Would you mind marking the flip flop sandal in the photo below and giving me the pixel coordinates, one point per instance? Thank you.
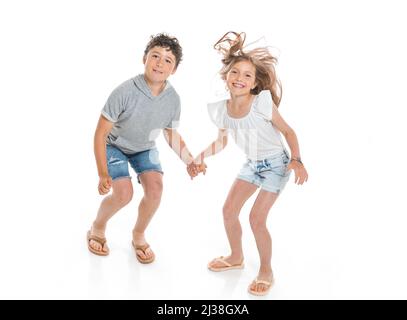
(143, 248)
(99, 240)
(226, 265)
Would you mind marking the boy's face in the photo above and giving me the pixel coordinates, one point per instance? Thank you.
(159, 64)
(241, 78)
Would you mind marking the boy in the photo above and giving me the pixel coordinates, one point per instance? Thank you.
(131, 120)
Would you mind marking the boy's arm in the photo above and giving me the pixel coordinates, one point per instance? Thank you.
(177, 144)
(103, 128)
(215, 147)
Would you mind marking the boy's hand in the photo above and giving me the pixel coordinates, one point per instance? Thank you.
(105, 183)
(194, 169)
(301, 174)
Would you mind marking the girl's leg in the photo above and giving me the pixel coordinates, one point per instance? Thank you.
(152, 183)
(121, 196)
(239, 193)
(258, 219)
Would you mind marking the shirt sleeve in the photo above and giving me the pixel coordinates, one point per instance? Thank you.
(174, 123)
(264, 105)
(217, 113)
(115, 105)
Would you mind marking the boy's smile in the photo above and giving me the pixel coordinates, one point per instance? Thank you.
(159, 64)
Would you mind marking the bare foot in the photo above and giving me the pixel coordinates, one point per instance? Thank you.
(97, 246)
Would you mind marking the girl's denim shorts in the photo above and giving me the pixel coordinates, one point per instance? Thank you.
(269, 174)
(144, 161)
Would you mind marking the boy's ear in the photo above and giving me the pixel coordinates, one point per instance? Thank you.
(144, 59)
(173, 71)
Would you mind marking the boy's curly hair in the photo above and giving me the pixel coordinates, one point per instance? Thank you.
(231, 47)
(165, 41)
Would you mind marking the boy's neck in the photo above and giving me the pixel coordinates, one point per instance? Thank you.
(155, 87)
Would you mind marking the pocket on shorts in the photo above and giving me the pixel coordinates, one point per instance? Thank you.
(278, 165)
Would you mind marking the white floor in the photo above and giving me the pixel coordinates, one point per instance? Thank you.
(341, 236)
(322, 248)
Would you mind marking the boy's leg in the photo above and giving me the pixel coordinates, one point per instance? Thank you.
(258, 219)
(121, 196)
(239, 193)
(153, 186)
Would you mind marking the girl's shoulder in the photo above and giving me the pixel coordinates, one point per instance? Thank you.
(217, 111)
(217, 105)
(264, 104)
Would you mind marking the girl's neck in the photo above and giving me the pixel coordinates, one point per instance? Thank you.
(241, 101)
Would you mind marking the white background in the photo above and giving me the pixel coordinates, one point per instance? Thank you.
(341, 236)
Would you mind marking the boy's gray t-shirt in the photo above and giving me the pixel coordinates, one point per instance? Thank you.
(138, 116)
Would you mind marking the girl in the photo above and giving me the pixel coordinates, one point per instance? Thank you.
(252, 118)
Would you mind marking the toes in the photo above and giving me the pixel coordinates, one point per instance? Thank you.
(141, 254)
(95, 245)
(105, 248)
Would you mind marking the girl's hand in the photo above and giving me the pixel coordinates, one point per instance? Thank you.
(200, 164)
(105, 183)
(194, 169)
(301, 174)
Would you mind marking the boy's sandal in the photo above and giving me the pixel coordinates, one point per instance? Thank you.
(226, 265)
(268, 285)
(99, 240)
(143, 248)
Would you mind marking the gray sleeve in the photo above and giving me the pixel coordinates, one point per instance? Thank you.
(115, 105)
(174, 123)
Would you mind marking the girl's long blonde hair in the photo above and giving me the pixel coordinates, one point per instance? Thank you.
(231, 47)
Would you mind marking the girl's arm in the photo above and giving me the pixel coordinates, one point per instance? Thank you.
(301, 174)
(103, 128)
(215, 147)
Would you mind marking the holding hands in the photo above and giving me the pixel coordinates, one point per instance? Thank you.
(196, 167)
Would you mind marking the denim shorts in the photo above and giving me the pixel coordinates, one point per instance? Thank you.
(144, 161)
(269, 174)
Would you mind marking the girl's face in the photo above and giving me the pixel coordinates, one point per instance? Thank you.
(241, 78)
(159, 64)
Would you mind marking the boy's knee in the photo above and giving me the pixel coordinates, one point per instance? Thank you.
(123, 196)
(154, 190)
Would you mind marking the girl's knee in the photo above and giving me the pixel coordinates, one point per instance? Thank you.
(257, 222)
(229, 212)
